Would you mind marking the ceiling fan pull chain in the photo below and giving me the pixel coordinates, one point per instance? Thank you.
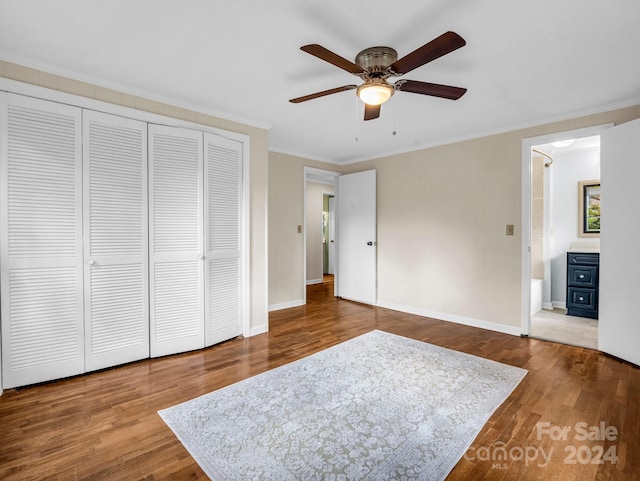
(395, 107)
(356, 119)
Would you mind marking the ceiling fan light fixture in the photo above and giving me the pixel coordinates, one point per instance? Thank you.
(375, 92)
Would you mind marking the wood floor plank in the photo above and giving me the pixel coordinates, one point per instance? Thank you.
(105, 426)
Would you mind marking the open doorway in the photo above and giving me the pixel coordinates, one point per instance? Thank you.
(319, 250)
(556, 167)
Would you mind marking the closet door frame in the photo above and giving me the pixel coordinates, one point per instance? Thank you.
(37, 92)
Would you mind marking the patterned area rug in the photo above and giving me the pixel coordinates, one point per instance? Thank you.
(377, 407)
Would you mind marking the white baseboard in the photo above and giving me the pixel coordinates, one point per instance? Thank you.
(254, 331)
(443, 316)
(286, 305)
(314, 281)
(558, 305)
(547, 305)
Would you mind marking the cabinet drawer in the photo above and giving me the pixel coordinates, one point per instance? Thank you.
(592, 259)
(583, 276)
(581, 298)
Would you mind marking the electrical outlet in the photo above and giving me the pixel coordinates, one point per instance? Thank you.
(299, 229)
(509, 229)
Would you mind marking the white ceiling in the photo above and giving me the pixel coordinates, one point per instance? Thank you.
(525, 62)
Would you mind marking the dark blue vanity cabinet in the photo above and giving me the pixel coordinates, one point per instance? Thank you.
(582, 284)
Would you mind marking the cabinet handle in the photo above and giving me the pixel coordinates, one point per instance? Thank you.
(91, 262)
(581, 298)
(581, 276)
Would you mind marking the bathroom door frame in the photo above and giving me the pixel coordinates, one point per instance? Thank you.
(527, 169)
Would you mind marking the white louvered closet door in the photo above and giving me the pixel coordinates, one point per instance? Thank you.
(41, 240)
(223, 194)
(115, 240)
(176, 239)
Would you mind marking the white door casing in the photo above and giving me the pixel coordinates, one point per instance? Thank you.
(332, 235)
(618, 326)
(356, 234)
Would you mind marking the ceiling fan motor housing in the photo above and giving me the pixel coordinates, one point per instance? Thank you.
(376, 59)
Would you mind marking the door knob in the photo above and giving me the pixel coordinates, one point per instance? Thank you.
(91, 262)
(371, 243)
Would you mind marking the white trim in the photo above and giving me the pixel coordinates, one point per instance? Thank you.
(286, 305)
(321, 176)
(29, 90)
(443, 316)
(558, 305)
(311, 282)
(499, 130)
(128, 90)
(3, 128)
(257, 330)
(246, 241)
(281, 150)
(527, 144)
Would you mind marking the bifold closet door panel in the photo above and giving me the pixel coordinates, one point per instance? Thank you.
(41, 240)
(116, 253)
(223, 209)
(176, 240)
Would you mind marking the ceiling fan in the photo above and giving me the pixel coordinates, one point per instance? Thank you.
(375, 65)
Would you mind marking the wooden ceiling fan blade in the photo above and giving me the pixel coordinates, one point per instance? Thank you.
(371, 111)
(426, 88)
(333, 58)
(442, 45)
(316, 95)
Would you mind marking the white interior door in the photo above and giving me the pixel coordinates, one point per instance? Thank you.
(357, 236)
(223, 214)
(115, 240)
(41, 240)
(176, 241)
(618, 326)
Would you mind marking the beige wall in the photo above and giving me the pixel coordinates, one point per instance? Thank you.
(442, 212)
(441, 223)
(258, 163)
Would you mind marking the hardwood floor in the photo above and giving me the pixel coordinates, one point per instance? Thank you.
(105, 425)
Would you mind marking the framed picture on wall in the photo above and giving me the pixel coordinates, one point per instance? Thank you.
(589, 208)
